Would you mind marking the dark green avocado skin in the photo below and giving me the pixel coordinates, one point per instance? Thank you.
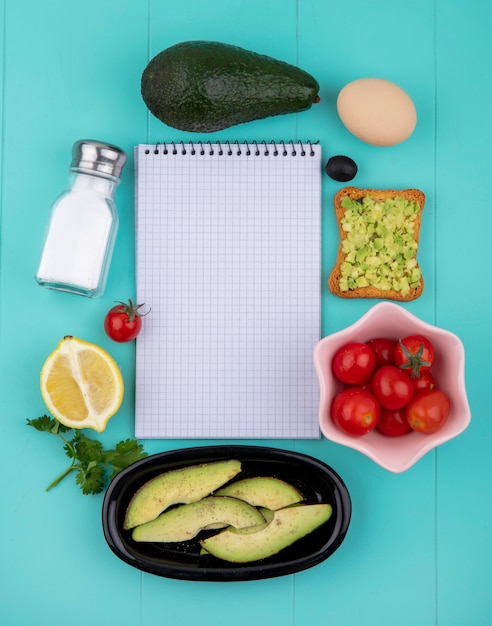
(205, 86)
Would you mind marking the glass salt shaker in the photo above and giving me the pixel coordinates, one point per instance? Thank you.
(81, 232)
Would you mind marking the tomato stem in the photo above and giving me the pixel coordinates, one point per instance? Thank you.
(132, 310)
(414, 361)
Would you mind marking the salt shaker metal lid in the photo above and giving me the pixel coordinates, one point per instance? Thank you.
(97, 157)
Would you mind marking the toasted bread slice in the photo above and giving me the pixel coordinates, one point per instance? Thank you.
(373, 290)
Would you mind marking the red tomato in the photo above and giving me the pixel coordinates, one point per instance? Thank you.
(355, 411)
(384, 349)
(393, 423)
(353, 363)
(428, 411)
(414, 353)
(366, 385)
(392, 387)
(424, 381)
(123, 322)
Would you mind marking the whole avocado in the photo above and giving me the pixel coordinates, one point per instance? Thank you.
(205, 86)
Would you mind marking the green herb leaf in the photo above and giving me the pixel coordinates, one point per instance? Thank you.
(47, 424)
(125, 453)
(70, 450)
(87, 449)
(90, 460)
(91, 481)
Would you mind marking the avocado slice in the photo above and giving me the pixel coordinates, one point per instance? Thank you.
(184, 485)
(265, 491)
(204, 86)
(288, 525)
(186, 521)
(267, 518)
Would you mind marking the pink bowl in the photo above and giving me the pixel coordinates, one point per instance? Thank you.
(387, 319)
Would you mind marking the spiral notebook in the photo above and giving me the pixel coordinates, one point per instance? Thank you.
(228, 259)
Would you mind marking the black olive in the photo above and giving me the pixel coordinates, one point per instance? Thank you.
(341, 168)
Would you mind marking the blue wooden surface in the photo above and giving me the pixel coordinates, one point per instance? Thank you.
(419, 548)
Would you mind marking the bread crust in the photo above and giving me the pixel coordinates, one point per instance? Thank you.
(355, 193)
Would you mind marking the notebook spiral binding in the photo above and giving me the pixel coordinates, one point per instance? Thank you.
(227, 148)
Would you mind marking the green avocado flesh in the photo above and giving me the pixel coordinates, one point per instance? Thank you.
(267, 492)
(267, 515)
(184, 485)
(185, 521)
(205, 86)
(380, 247)
(253, 518)
(287, 526)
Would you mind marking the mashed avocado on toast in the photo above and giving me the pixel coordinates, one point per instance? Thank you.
(378, 245)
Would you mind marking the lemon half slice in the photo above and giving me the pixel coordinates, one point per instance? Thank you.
(81, 384)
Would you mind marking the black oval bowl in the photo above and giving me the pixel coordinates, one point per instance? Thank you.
(314, 479)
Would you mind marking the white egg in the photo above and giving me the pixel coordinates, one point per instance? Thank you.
(377, 111)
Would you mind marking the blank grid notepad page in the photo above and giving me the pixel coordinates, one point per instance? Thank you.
(228, 261)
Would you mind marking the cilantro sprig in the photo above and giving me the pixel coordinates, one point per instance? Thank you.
(91, 463)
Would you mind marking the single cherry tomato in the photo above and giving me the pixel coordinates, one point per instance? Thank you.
(428, 411)
(392, 387)
(424, 381)
(393, 423)
(123, 322)
(414, 353)
(353, 363)
(384, 349)
(355, 411)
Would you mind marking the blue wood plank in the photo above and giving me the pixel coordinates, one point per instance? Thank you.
(464, 223)
(69, 73)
